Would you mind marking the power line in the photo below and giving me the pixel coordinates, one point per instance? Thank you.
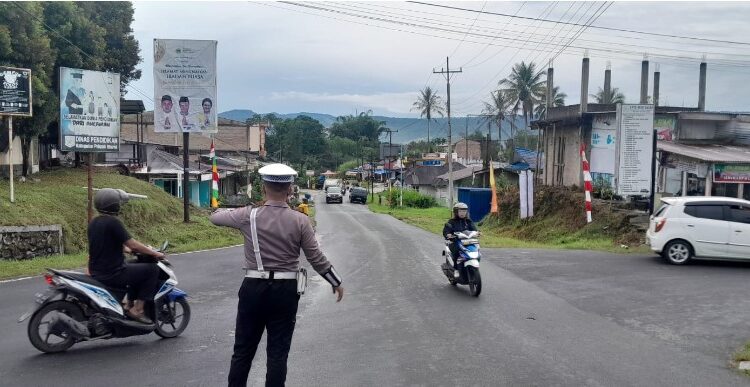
(469, 30)
(517, 34)
(597, 27)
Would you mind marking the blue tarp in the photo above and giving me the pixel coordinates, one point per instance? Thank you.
(478, 200)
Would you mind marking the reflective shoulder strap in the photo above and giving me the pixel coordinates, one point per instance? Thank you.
(254, 232)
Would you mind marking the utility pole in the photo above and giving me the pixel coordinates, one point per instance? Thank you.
(447, 72)
(390, 149)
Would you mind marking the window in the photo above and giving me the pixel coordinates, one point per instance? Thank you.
(739, 214)
(706, 211)
(662, 210)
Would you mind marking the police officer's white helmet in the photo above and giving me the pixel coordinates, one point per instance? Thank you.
(277, 173)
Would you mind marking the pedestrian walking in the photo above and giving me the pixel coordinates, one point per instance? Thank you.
(268, 298)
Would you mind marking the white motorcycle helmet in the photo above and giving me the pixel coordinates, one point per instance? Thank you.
(460, 210)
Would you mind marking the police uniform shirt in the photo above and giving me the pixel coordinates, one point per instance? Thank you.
(282, 232)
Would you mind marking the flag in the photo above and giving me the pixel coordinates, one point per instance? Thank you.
(493, 204)
(215, 178)
(587, 186)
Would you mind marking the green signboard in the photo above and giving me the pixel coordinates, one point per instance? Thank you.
(732, 173)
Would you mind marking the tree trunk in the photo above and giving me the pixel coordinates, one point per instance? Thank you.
(25, 149)
(429, 144)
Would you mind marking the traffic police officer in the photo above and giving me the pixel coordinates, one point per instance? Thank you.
(268, 298)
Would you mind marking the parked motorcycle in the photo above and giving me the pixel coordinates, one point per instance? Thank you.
(467, 261)
(78, 308)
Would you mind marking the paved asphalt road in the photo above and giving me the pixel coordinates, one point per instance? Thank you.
(544, 318)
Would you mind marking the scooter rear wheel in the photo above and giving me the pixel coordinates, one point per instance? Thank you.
(172, 317)
(47, 341)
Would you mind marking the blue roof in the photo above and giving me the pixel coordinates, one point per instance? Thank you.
(525, 156)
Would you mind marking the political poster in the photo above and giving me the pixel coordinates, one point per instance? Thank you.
(635, 149)
(185, 86)
(15, 92)
(89, 111)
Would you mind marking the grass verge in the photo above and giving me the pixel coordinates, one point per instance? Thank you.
(58, 197)
(742, 355)
(548, 232)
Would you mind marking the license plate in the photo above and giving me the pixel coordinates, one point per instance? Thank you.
(39, 300)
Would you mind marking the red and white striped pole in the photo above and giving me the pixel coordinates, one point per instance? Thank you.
(588, 186)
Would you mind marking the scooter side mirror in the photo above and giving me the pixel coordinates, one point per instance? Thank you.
(164, 246)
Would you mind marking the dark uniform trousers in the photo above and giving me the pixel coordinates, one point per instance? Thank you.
(264, 305)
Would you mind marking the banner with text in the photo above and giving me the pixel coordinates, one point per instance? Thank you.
(89, 111)
(635, 149)
(185, 86)
(15, 92)
(731, 173)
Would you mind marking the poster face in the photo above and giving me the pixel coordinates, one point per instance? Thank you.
(664, 128)
(603, 141)
(89, 111)
(635, 149)
(15, 92)
(185, 86)
(731, 173)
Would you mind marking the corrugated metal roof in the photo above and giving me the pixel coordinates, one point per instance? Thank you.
(712, 152)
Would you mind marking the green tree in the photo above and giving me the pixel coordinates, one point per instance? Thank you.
(429, 103)
(558, 99)
(24, 43)
(121, 53)
(613, 97)
(297, 141)
(525, 87)
(359, 127)
(499, 108)
(95, 36)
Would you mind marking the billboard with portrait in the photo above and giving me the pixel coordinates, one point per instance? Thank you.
(89, 111)
(185, 86)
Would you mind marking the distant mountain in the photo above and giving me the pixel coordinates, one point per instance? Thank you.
(409, 129)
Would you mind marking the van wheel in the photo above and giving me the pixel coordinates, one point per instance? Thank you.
(678, 252)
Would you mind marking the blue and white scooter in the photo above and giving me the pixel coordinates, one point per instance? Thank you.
(79, 308)
(467, 261)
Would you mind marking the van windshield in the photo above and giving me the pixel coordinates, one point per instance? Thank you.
(334, 190)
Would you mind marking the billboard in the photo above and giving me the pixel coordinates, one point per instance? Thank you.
(731, 173)
(635, 149)
(388, 151)
(15, 92)
(185, 86)
(89, 111)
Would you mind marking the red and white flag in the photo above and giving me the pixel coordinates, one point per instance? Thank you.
(588, 186)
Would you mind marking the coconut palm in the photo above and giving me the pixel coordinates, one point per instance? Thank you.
(558, 99)
(525, 86)
(429, 103)
(614, 96)
(499, 108)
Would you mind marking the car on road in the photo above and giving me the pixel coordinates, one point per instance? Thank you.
(358, 195)
(334, 195)
(705, 227)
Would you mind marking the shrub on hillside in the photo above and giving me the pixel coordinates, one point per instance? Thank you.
(411, 199)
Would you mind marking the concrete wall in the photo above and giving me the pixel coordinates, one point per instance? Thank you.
(18, 158)
(27, 242)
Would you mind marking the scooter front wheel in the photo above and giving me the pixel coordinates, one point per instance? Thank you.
(475, 281)
(172, 317)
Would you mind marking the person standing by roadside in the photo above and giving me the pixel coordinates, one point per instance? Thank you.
(268, 299)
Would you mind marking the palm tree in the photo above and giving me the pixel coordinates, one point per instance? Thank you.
(525, 86)
(558, 99)
(614, 96)
(499, 108)
(428, 103)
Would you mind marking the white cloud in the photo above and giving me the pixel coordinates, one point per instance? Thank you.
(396, 103)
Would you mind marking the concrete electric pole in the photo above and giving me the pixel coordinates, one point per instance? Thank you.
(447, 72)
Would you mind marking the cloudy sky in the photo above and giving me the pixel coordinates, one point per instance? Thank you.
(340, 58)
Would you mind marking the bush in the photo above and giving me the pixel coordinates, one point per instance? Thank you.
(411, 199)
